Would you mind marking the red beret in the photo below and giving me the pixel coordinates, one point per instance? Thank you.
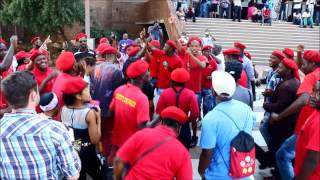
(130, 45)
(137, 68)
(174, 113)
(232, 51)
(172, 44)
(289, 52)
(248, 55)
(36, 53)
(109, 50)
(133, 51)
(155, 43)
(311, 55)
(22, 54)
(278, 54)
(73, 85)
(104, 40)
(101, 46)
(65, 61)
(239, 45)
(289, 63)
(195, 38)
(206, 48)
(34, 39)
(80, 35)
(3, 41)
(180, 75)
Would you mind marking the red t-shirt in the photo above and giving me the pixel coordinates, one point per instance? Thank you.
(22, 67)
(195, 71)
(210, 67)
(187, 101)
(131, 108)
(4, 74)
(41, 76)
(243, 81)
(57, 86)
(154, 66)
(169, 160)
(306, 87)
(166, 65)
(308, 139)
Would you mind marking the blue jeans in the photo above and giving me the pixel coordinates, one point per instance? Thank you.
(264, 127)
(204, 10)
(208, 101)
(283, 12)
(237, 12)
(284, 156)
(317, 17)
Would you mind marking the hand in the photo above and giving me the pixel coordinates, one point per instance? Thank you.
(194, 141)
(258, 83)
(53, 74)
(274, 118)
(209, 77)
(14, 41)
(143, 33)
(267, 93)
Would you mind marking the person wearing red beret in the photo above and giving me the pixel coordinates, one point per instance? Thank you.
(154, 62)
(66, 63)
(194, 62)
(83, 50)
(282, 98)
(168, 61)
(84, 122)
(180, 96)
(106, 78)
(289, 53)
(23, 60)
(99, 49)
(36, 43)
(158, 142)
(206, 83)
(311, 68)
(247, 67)
(44, 75)
(6, 58)
(129, 107)
(233, 54)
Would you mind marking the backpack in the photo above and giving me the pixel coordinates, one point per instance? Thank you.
(242, 153)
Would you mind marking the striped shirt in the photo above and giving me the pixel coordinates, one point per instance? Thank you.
(35, 148)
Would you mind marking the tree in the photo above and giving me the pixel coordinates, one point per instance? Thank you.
(42, 16)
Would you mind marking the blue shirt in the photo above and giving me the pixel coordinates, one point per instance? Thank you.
(272, 81)
(123, 43)
(218, 131)
(35, 148)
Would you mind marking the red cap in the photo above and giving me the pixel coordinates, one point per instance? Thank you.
(311, 55)
(104, 40)
(289, 52)
(206, 48)
(80, 35)
(109, 50)
(34, 39)
(239, 45)
(278, 54)
(174, 113)
(3, 41)
(101, 46)
(65, 61)
(155, 43)
(172, 44)
(289, 63)
(180, 75)
(73, 85)
(21, 55)
(232, 51)
(248, 55)
(137, 68)
(194, 38)
(133, 51)
(36, 53)
(131, 45)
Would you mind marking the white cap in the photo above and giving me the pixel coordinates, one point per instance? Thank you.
(223, 83)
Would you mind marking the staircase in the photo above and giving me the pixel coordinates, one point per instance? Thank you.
(260, 40)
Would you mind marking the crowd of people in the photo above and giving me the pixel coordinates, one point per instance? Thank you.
(132, 110)
(258, 11)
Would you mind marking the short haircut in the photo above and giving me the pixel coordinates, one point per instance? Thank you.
(170, 123)
(234, 68)
(17, 88)
(91, 61)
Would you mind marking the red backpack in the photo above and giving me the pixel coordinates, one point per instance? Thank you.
(242, 153)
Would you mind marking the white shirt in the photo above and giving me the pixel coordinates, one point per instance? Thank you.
(221, 66)
(237, 3)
